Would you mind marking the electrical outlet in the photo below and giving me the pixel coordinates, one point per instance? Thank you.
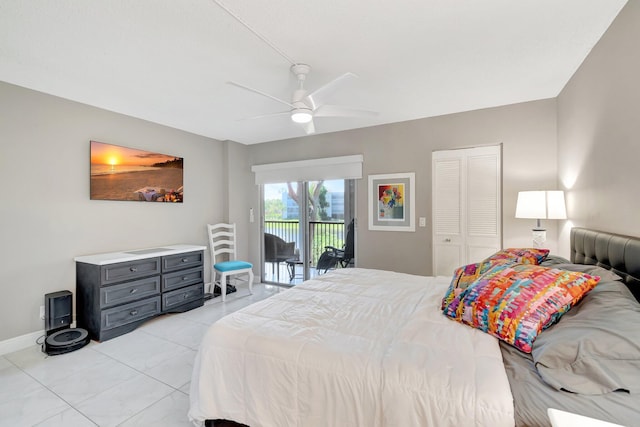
(42, 312)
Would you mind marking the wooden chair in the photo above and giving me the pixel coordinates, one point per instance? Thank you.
(222, 245)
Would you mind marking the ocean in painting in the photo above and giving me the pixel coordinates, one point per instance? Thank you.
(100, 169)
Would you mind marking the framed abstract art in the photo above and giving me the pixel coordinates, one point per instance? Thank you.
(392, 202)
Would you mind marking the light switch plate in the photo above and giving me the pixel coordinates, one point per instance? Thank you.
(423, 221)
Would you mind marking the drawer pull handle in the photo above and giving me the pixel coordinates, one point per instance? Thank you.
(185, 296)
(133, 269)
(184, 278)
(133, 291)
(447, 240)
(134, 312)
(185, 259)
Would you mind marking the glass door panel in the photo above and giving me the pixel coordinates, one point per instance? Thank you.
(283, 236)
(326, 219)
(294, 238)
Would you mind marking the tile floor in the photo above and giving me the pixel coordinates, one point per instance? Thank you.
(138, 379)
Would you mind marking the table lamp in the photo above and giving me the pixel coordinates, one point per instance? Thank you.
(540, 205)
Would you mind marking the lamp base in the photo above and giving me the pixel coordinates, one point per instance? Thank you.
(539, 237)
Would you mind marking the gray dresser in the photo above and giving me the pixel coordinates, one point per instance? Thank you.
(116, 292)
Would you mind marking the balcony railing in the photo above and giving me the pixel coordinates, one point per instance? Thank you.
(321, 234)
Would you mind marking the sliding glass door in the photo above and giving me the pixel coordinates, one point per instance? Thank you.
(295, 238)
(284, 238)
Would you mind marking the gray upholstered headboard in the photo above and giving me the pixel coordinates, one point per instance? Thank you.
(620, 254)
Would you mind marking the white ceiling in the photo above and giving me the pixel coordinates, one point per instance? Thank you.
(168, 61)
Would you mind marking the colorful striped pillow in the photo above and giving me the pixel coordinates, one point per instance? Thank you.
(515, 302)
(466, 275)
(520, 255)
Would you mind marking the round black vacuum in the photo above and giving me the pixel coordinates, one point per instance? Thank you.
(66, 340)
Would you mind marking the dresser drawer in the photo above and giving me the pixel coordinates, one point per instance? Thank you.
(182, 261)
(129, 313)
(129, 291)
(122, 271)
(182, 296)
(180, 279)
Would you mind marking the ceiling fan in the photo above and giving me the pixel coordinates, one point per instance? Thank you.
(304, 106)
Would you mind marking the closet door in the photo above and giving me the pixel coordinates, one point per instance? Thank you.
(466, 205)
(448, 233)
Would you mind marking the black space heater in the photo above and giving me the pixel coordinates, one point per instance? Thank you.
(59, 336)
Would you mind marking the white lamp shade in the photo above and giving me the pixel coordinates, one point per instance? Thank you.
(531, 204)
(556, 208)
(541, 205)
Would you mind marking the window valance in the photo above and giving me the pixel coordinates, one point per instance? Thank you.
(344, 167)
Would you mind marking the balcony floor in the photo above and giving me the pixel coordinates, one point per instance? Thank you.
(281, 274)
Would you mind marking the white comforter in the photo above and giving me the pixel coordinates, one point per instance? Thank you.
(354, 347)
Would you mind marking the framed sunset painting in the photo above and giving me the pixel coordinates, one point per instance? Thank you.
(122, 173)
(391, 202)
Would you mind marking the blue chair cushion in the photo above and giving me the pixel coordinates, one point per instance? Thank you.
(232, 265)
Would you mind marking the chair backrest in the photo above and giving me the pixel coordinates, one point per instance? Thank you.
(270, 247)
(277, 249)
(222, 240)
(349, 249)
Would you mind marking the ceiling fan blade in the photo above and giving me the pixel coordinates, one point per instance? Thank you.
(318, 96)
(309, 128)
(261, 93)
(261, 116)
(340, 111)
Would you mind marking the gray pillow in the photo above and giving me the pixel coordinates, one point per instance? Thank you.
(593, 270)
(552, 260)
(595, 348)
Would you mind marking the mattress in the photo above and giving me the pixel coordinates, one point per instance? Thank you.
(354, 347)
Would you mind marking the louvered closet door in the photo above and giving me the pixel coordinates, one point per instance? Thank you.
(447, 214)
(466, 206)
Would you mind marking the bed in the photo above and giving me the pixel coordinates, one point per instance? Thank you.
(359, 347)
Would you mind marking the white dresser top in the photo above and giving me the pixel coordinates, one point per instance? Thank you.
(135, 254)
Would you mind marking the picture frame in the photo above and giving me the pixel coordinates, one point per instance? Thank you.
(392, 202)
(131, 174)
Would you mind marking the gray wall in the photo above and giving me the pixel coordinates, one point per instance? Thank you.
(527, 132)
(239, 183)
(46, 217)
(599, 133)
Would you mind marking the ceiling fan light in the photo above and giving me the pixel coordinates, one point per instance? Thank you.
(301, 115)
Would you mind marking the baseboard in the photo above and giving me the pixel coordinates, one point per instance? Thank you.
(19, 343)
